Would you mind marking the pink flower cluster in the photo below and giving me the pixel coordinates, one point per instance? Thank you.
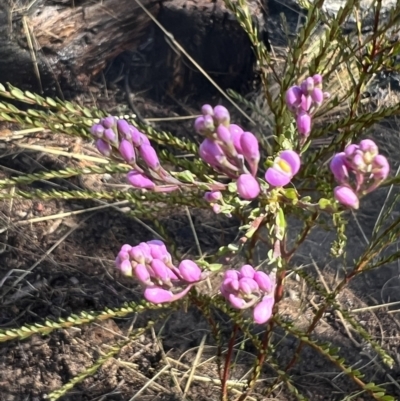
(235, 153)
(118, 139)
(358, 170)
(249, 288)
(304, 100)
(151, 264)
(229, 149)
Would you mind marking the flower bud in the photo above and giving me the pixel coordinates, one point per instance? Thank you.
(142, 274)
(358, 162)
(247, 285)
(97, 130)
(124, 129)
(350, 150)
(158, 250)
(126, 248)
(221, 115)
(213, 196)
(303, 121)
(231, 284)
(139, 180)
(317, 96)
(250, 147)
(307, 86)
(137, 254)
(223, 134)
(263, 311)
(247, 187)
(263, 281)
(126, 268)
(108, 122)
(216, 208)
(339, 168)
(207, 110)
(144, 139)
(110, 135)
(232, 274)
(189, 271)
(149, 155)
(127, 151)
(247, 271)
(317, 78)
(158, 295)
(146, 250)
(306, 102)
(236, 134)
(209, 123)
(211, 152)
(103, 147)
(367, 145)
(380, 167)
(137, 137)
(346, 196)
(293, 98)
(199, 125)
(161, 271)
(236, 302)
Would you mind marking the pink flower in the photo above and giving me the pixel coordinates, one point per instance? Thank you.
(142, 274)
(247, 271)
(236, 133)
(124, 129)
(97, 130)
(317, 96)
(263, 311)
(221, 115)
(250, 150)
(339, 168)
(303, 121)
(110, 135)
(242, 290)
(108, 122)
(285, 166)
(139, 180)
(199, 125)
(127, 151)
(103, 147)
(207, 110)
(263, 281)
(380, 167)
(189, 271)
(347, 197)
(224, 135)
(158, 250)
(158, 295)
(213, 196)
(247, 186)
(293, 97)
(149, 156)
(211, 152)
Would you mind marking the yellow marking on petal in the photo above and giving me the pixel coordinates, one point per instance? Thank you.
(284, 165)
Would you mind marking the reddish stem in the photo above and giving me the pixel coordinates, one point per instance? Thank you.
(228, 358)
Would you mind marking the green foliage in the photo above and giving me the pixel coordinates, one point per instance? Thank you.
(348, 63)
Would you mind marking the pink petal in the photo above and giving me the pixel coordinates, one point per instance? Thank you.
(247, 271)
(158, 295)
(277, 178)
(236, 302)
(293, 159)
(263, 311)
